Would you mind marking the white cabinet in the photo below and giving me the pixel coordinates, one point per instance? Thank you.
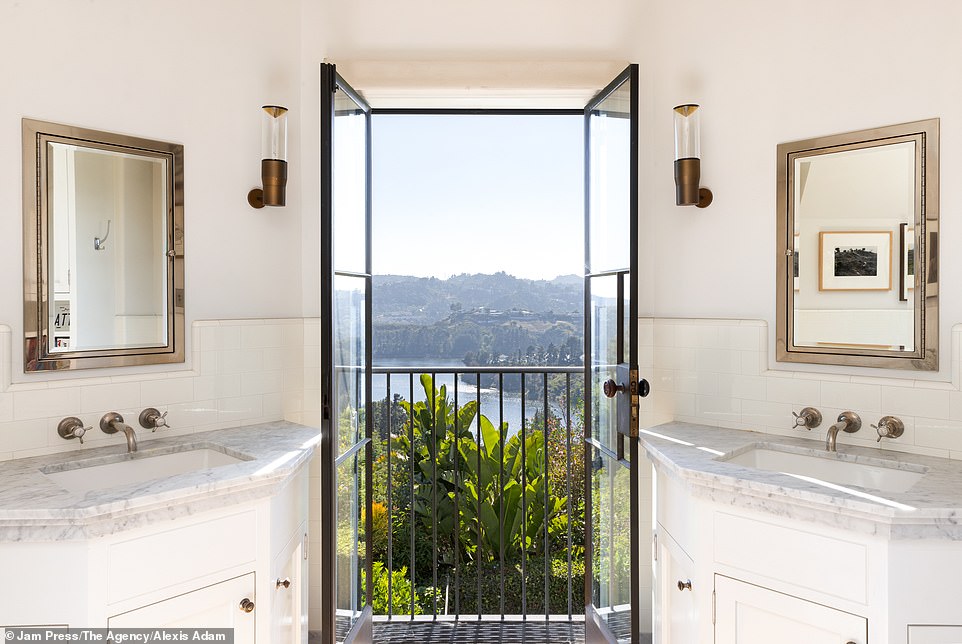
(288, 585)
(676, 593)
(750, 614)
(228, 604)
(194, 571)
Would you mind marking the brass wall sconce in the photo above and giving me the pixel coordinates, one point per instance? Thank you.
(273, 159)
(688, 158)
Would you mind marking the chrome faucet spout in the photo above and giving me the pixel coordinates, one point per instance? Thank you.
(848, 421)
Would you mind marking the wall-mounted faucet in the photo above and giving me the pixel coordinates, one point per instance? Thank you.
(889, 427)
(848, 421)
(112, 422)
(151, 419)
(808, 418)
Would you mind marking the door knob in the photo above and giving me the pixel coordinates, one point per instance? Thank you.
(611, 388)
(684, 585)
(286, 583)
(247, 605)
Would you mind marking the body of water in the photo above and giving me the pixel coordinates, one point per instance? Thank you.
(467, 391)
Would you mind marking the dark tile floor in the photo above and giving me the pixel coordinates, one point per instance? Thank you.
(495, 632)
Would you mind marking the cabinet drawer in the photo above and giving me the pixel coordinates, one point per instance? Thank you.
(674, 509)
(163, 559)
(935, 634)
(803, 559)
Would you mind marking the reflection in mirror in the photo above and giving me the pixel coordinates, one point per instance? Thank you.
(852, 210)
(103, 249)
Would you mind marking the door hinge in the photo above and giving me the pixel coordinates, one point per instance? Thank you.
(654, 547)
(713, 607)
(305, 547)
(635, 403)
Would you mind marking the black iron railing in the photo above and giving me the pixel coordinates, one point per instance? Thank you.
(478, 479)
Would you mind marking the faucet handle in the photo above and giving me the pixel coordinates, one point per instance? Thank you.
(889, 427)
(151, 419)
(808, 418)
(72, 427)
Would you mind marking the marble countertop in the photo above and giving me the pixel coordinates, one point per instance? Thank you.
(929, 509)
(33, 507)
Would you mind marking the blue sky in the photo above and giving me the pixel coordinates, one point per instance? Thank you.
(478, 194)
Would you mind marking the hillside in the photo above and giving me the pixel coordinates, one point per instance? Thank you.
(490, 319)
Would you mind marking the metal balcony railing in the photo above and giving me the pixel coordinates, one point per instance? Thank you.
(478, 493)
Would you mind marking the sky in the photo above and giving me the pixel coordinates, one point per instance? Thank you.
(478, 194)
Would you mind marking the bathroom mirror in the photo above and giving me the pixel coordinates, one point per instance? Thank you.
(103, 222)
(858, 248)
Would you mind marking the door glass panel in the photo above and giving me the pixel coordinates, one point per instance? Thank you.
(350, 185)
(611, 544)
(609, 184)
(349, 553)
(349, 359)
(604, 357)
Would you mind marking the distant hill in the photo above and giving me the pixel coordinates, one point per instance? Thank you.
(487, 319)
(425, 300)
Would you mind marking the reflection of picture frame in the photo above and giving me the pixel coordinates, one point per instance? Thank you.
(855, 260)
(906, 261)
(795, 262)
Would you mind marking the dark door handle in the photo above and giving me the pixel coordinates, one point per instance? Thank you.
(611, 388)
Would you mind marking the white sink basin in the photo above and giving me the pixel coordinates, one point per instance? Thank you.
(879, 475)
(137, 470)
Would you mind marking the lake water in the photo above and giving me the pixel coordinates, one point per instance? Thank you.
(467, 391)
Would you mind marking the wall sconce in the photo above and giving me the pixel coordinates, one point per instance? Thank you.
(688, 158)
(273, 159)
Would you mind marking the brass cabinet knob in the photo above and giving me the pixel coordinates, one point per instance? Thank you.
(247, 605)
(286, 583)
(684, 585)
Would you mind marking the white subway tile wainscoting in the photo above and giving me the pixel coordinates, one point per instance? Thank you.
(716, 372)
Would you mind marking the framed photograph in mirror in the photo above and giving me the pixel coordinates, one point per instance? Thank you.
(855, 260)
(907, 261)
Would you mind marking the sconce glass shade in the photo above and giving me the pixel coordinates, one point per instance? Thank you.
(274, 133)
(687, 132)
(273, 159)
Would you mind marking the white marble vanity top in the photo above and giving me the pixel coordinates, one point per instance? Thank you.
(929, 509)
(35, 508)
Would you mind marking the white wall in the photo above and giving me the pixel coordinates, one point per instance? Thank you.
(189, 72)
(766, 73)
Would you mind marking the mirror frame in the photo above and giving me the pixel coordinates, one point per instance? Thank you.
(925, 357)
(37, 356)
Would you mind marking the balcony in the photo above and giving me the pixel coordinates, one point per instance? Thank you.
(477, 522)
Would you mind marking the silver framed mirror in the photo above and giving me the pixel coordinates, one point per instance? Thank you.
(103, 253)
(858, 248)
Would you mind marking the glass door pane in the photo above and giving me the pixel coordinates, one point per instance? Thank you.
(611, 444)
(346, 383)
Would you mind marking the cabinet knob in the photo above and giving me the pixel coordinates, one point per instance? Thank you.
(684, 585)
(247, 605)
(286, 583)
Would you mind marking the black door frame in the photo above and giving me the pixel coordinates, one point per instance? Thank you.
(630, 75)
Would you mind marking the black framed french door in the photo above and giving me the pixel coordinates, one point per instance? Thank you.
(612, 554)
(346, 427)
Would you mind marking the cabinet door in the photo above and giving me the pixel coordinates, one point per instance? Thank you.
(289, 589)
(675, 594)
(215, 606)
(749, 614)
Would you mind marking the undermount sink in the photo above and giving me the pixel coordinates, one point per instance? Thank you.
(867, 473)
(137, 469)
